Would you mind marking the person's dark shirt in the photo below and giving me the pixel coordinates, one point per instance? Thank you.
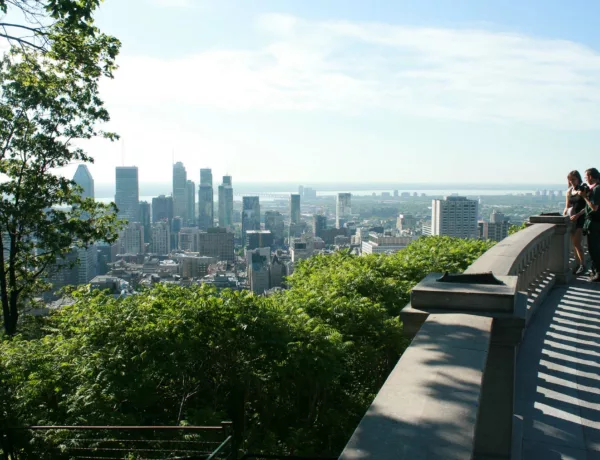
(594, 197)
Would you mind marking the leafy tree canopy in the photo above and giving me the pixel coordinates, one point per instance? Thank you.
(295, 372)
(49, 99)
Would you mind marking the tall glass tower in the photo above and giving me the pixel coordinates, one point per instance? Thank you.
(127, 196)
(206, 200)
(179, 191)
(226, 203)
(250, 214)
(84, 179)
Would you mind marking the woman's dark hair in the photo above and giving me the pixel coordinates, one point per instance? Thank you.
(593, 172)
(574, 175)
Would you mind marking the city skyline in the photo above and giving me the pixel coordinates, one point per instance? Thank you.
(452, 84)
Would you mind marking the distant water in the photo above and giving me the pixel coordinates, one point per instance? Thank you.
(105, 192)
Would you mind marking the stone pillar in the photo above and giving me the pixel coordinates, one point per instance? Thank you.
(507, 307)
(494, 432)
(560, 246)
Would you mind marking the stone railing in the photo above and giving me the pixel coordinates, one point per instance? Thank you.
(451, 395)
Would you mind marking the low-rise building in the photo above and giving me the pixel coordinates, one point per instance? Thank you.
(381, 244)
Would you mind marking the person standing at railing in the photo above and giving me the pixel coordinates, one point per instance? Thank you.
(591, 227)
(575, 209)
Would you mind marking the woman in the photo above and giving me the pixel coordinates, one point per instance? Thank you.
(575, 208)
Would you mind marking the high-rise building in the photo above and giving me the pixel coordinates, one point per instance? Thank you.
(64, 272)
(259, 262)
(497, 217)
(217, 243)
(496, 229)
(127, 196)
(258, 239)
(84, 179)
(296, 226)
(406, 222)
(250, 214)
(294, 209)
(146, 221)
(300, 250)
(179, 191)
(191, 202)
(161, 238)
(193, 266)
(131, 239)
(189, 239)
(206, 200)
(176, 226)
(454, 216)
(226, 203)
(276, 272)
(88, 261)
(319, 225)
(275, 223)
(343, 209)
(162, 208)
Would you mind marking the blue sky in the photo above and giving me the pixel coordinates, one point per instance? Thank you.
(346, 91)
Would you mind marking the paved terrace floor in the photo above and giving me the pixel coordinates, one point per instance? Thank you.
(558, 378)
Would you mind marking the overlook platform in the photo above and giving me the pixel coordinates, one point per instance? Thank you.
(557, 400)
(508, 371)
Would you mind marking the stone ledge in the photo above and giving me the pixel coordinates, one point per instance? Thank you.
(431, 293)
(427, 408)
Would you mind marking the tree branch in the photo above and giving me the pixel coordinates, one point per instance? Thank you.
(22, 41)
(20, 26)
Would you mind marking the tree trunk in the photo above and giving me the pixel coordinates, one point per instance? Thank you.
(10, 320)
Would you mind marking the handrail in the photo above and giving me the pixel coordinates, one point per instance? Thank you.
(451, 394)
(509, 256)
(526, 255)
(228, 440)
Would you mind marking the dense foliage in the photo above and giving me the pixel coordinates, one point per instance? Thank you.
(49, 100)
(295, 372)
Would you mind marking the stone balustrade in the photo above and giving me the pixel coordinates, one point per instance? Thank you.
(451, 395)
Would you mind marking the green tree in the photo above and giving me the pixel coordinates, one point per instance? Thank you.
(515, 228)
(49, 100)
(34, 22)
(295, 372)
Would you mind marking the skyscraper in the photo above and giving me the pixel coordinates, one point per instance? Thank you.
(161, 238)
(176, 226)
(226, 203)
(191, 202)
(274, 222)
(343, 209)
(84, 179)
(294, 209)
(454, 216)
(206, 200)
(250, 214)
(319, 225)
(131, 239)
(179, 191)
(295, 228)
(217, 243)
(162, 208)
(145, 220)
(127, 196)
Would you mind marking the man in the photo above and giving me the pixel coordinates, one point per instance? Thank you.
(591, 227)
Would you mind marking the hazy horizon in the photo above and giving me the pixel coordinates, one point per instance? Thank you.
(106, 190)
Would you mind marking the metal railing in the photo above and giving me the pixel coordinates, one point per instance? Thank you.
(118, 442)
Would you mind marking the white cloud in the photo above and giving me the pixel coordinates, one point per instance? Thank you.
(354, 67)
(174, 3)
